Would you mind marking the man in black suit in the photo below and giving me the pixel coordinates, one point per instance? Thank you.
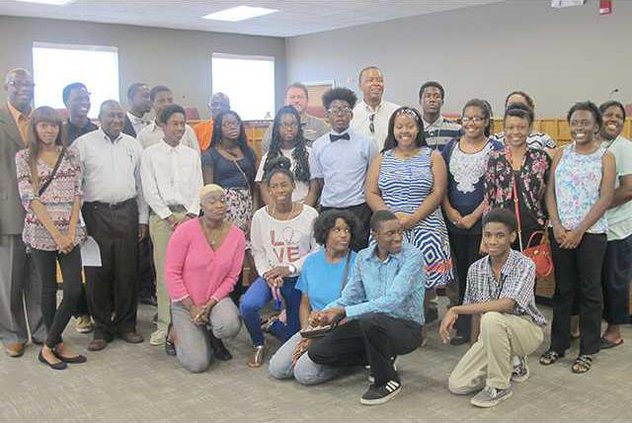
(20, 287)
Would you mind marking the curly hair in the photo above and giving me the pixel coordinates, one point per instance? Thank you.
(299, 154)
(327, 221)
(344, 94)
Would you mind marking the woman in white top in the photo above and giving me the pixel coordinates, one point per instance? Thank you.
(288, 141)
(281, 236)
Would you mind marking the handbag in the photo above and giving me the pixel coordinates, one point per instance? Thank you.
(311, 332)
(540, 253)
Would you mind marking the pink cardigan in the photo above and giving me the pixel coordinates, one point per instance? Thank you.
(194, 270)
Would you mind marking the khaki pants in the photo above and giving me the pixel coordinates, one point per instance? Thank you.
(160, 232)
(488, 361)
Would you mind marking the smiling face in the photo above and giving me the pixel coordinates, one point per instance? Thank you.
(583, 126)
(613, 120)
(372, 85)
(474, 122)
(78, 103)
(339, 237)
(141, 100)
(497, 238)
(516, 130)
(46, 132)
(280, 188)
(20, 88)
(112, 118)
(174, 128)
(405, 131)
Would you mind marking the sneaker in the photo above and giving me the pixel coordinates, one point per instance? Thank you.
(380, 394)
(157, 338)
(520, 371)
(371, 378)
(490, 397)
(83, 324)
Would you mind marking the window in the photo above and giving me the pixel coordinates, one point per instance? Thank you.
(57, 65)
(248, 81)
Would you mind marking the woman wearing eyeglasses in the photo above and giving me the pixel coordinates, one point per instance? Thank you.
(466, 160)
(288, 141)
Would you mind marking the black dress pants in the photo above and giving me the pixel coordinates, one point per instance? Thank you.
(375, 339)
(113, 288)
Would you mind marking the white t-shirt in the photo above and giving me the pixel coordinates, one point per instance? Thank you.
(302, 188)
(282, 242)
(620, 218)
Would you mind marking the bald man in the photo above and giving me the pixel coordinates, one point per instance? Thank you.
(116, 216)
(19, 284)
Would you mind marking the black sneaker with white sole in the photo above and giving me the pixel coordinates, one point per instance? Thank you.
(376, 395)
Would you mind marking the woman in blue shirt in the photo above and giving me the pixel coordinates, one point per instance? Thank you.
(324, 274)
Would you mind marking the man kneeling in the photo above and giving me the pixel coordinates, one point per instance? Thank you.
(500, 290)
(382, 308)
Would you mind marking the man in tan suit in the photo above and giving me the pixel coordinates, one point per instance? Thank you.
(19, 284)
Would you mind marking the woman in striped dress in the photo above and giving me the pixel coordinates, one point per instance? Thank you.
(410, 180)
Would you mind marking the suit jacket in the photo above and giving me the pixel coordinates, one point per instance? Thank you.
(128, 128)
(11, 210)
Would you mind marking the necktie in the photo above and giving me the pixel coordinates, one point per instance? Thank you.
(334, 137)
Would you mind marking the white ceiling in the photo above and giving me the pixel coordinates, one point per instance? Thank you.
(296, 17)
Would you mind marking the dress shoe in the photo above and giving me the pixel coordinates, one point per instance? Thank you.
(257, 356)
(219, 349)
(132, 337)
(55, 366)
(97, 344)
(15, 350)
(77, 359)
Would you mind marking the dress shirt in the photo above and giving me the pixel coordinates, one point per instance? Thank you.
(313, 128)
(171, 176)
(111, 170)
(342, 165)
(361, 122)
(153, 134)
(517, 280)
(394, 286)
(22, 121)
(139, 123)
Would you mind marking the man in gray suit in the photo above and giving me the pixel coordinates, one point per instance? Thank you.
(19, 284)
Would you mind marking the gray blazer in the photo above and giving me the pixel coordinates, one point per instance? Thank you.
(11, 210)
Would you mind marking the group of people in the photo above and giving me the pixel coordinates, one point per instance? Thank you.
(351, 225)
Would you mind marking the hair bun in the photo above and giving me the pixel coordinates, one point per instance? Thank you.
(280, 162)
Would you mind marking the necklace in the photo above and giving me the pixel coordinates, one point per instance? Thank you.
(287, 216)
(213, 236)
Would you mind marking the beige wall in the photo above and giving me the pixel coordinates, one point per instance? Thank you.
(559, 56)
(178, 59)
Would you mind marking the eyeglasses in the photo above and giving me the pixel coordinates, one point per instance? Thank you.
(372, 123)
(339, 110)
(289, 125)
(475, 119)
(21, 84)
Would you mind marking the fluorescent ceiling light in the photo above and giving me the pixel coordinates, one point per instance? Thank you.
(49, 2)
(239, 13)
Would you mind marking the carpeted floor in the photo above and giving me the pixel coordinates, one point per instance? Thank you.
(140, 383)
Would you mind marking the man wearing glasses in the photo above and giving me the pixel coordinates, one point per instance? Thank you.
(20, 287)
(371, 115)
(339, 162)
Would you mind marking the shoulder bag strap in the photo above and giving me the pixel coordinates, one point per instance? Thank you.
(53, 173)
(345, 273)
(515, 196)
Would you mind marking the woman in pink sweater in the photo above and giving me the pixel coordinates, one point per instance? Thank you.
(203, 262)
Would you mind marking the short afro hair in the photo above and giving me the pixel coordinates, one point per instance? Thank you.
(327, 221)
(169, 111)
(344, 94)
(504, 216)
(379, 217)
(587, 106)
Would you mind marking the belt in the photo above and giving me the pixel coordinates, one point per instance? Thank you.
(112, 206)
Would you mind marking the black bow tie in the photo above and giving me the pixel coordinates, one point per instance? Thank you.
(334, 138)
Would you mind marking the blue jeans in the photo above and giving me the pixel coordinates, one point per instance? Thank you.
(258, 295)
(306, 372)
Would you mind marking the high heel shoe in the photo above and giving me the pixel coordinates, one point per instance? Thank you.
(56, 366)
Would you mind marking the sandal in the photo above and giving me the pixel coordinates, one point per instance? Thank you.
(550, 357)
(582, 364)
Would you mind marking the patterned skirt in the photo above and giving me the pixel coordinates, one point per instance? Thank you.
(239, 209)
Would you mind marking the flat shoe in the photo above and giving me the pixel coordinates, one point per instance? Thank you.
(605, 344)
(15, 350)
(77, 359)
(55, 366)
